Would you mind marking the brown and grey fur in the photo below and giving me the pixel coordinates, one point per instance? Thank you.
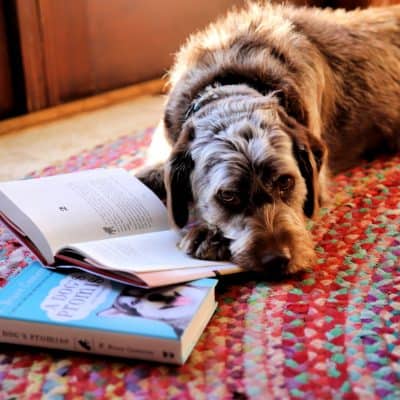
(283, 97)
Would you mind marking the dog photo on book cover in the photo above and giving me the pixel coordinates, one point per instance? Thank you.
(175, 306)
(79, 294)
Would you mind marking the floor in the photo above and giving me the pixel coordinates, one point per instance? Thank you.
(39, 146)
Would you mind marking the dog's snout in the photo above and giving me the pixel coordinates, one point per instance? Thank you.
(275, 263)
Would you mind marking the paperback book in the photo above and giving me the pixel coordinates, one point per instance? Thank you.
(104, 221)
(77, 311)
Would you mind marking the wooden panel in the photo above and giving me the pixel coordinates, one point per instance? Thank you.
(55, 52)
(135, 40)
(73, 49)
(32, 54)
(68, 60)
(7, 99)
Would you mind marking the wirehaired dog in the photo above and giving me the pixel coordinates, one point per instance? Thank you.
(265, 104)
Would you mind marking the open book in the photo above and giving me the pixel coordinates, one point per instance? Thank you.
(104, 221)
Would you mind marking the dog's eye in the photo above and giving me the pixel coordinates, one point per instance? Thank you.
(229, 197)
(285, 183)
(156, 297)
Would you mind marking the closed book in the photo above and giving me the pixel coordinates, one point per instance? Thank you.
(77, 311)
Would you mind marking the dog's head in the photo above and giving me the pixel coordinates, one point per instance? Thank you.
(251, 171)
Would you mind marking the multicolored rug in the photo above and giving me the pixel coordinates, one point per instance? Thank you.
(335, 334)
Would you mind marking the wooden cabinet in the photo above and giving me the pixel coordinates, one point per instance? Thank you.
(73, 49)
(55, 51)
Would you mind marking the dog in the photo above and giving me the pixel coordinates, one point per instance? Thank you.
(264, 105)
(174, 306)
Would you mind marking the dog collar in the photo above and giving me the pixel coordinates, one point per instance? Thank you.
(208, 95)
(203, 98)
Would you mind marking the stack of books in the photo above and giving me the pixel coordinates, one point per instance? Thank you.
(112, 279)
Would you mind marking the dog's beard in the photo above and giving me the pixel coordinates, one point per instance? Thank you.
(274, 241)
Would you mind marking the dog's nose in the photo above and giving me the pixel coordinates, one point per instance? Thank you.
(275, 263)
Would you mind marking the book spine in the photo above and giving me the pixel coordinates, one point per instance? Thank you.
(90, 341)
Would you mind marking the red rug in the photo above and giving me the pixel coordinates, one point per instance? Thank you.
(333, 334)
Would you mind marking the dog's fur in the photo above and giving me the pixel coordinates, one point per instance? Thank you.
(264, 104)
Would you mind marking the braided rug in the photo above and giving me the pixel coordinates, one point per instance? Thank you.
(334, 333)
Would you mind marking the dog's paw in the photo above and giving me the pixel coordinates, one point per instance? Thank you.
(205, 243)
(153, 178)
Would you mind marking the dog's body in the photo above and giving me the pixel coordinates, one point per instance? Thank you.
(263, 105)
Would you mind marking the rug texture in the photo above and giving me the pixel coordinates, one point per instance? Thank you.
(333, 334)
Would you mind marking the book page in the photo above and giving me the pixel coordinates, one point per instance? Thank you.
(155, 251)
(83, 206)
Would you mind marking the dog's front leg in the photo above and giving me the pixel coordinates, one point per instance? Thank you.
(153, 178)
(206, 243)
(152, 174)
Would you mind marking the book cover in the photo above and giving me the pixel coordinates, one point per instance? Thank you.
(87, 313)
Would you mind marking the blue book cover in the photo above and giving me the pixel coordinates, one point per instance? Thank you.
(83, 312)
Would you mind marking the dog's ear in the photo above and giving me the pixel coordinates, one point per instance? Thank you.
(177, 179)
(309, 157)
(304, 160)
(289, 99)
(309, 153)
